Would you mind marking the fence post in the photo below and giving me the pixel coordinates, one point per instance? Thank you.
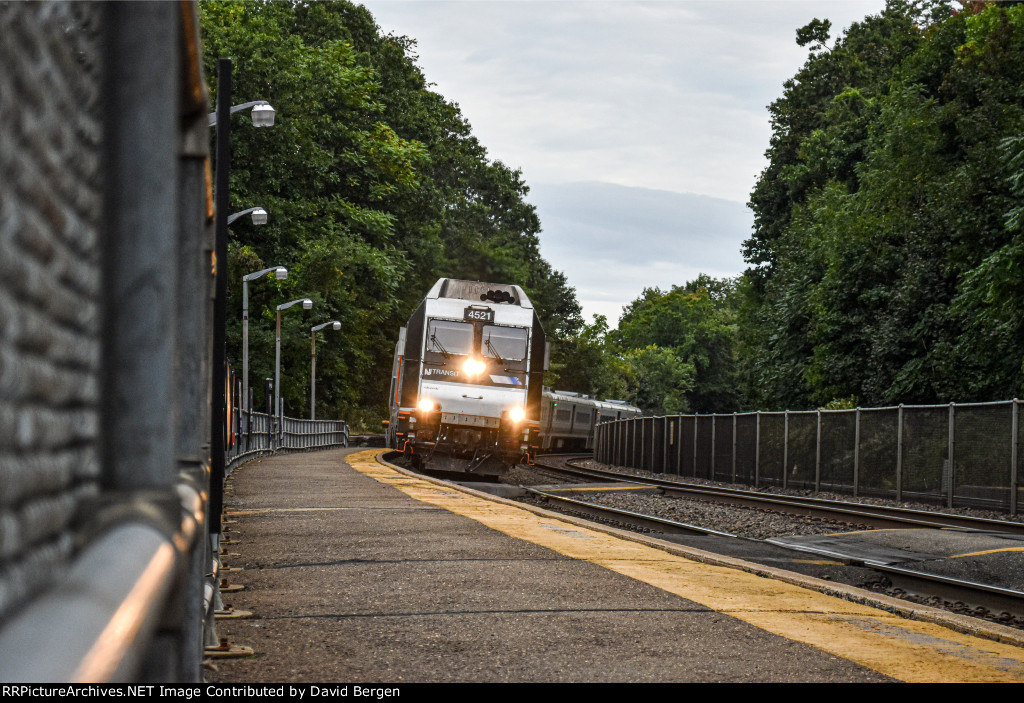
(643, 444)
(713, 424)
(1014, 447)
(695, 445)
(679, 445)
(817, 456)
(952, 456)
(666, 435)
(856, 453)
(785, 451)
(627, 442)
(757, 452)
(734, 447)
(637, 443)
(652, 438)
(899, 455)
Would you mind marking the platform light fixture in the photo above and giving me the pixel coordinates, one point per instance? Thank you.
(280, 273)
(334, 325)
(262, 113)
(306, 305)
(258, 215)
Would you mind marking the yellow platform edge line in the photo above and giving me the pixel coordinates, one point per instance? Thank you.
(988, 551)
(786, 604)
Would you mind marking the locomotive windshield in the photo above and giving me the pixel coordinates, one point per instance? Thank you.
(449, 337)
(507, 343)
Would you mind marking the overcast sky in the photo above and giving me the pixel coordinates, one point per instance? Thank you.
(640, 127)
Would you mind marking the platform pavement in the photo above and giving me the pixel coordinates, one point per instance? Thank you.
(358, 572)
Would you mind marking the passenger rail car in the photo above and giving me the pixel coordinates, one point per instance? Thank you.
(568, 419)
(467, 378)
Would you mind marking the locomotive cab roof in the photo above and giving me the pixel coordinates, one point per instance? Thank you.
(479, 291)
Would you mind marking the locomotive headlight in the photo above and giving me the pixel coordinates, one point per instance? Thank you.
(516, 414)
(426, 405)
(473, 367)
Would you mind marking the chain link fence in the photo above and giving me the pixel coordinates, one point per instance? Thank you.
(956, 455)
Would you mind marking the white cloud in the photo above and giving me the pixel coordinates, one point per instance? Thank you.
(613, 241)
(665, 96)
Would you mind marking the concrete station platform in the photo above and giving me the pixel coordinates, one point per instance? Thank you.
(357, 571)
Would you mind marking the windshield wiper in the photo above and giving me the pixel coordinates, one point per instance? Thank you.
(437, 343)
(494, 352)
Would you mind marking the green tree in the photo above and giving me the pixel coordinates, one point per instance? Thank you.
(657, 380)
(883, 265)
(376, 187)
(697, 323)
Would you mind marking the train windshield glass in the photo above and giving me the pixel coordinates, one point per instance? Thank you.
(507, 343)
(449, 337)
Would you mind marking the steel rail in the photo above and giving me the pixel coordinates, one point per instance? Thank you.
(649, 522)
(873, 515)
(974, 595)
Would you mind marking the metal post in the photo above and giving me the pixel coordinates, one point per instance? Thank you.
(140, 278)
(630, 447)
(1014, 448)
(817, 456)
(667, 438)
(856, 453)
(245, 341)
(785, 451)
(312, 378)
(757, 452)
(222, 202)
(679, 445)
(152, 305)
(633, 442)
(695, 444)
(712, 476)
(643, 444)
(248, 419)
(734, 447)
(952, 455)
(654, 448)
(899, 455)
(277, 379)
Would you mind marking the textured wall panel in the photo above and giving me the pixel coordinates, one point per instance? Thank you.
(50, 209)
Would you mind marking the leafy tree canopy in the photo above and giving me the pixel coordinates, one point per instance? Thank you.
(375, 186)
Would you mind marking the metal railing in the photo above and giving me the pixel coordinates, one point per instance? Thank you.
(956, 455)
(110, 532)
(259, 435)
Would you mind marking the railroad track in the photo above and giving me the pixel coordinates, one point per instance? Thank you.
(995, 603)
(872, 515)
(651, 523)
